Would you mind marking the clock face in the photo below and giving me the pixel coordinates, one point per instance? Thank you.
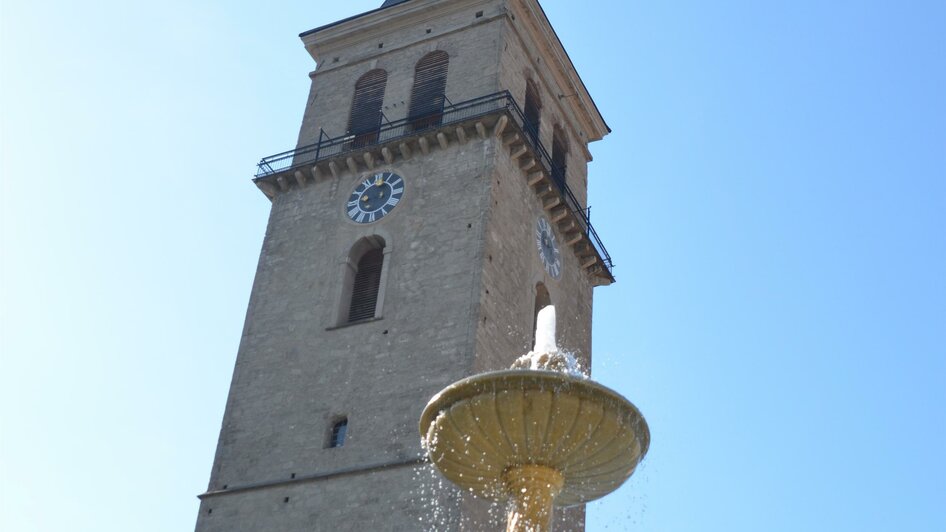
(374, 197)
(548, 248)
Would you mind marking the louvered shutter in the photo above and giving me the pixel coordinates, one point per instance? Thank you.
(559, 158)
(365, 119)
(532, 111)
(364, 293)
(428, 92)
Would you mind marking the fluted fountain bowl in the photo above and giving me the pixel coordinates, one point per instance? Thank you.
(499, 433)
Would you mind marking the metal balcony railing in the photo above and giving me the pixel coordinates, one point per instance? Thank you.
(501, 102)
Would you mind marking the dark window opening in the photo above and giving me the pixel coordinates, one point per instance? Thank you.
(339, 431)
(367, 284)
(428, 95)
(532, 111)
(559, 156)
(365, 120)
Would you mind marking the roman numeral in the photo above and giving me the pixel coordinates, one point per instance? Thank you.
(370, 216)
(395, 182)
(392, 201)
(360, 218)
(397, 190)
(353, 212)
(353, 203)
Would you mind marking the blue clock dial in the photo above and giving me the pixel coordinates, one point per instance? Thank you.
(374, 197)
(548, 248)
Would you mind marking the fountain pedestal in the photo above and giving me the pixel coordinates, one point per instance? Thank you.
(534, 511)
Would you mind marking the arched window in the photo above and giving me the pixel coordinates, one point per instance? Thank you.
(429, 91)
(339, 431)
(365, 119)
(362, 288)
(532, 111)
(559, 156)
(367, 282)
(542, 300)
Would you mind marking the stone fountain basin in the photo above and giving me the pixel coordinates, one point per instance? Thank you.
(479, 428)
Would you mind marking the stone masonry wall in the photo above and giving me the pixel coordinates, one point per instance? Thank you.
(294, 377)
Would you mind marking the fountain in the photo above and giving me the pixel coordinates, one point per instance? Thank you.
(535, 436)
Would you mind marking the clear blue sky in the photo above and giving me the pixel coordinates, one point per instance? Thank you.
(773, 194)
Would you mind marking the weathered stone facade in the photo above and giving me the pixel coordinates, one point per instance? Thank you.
(460, 276)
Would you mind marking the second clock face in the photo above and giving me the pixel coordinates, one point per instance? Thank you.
(374, 197)
(548, 248)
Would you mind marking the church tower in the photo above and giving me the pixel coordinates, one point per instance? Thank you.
(435, 201)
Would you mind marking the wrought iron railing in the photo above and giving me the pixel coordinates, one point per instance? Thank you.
(329, 147)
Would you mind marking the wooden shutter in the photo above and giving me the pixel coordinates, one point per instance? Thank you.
(364, 293)
(428, 92)
(532, 111)
(365, 119)
(559, 157)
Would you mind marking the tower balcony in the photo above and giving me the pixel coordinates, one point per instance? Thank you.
(496, 114)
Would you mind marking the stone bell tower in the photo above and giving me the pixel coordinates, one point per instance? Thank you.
(435, 200)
